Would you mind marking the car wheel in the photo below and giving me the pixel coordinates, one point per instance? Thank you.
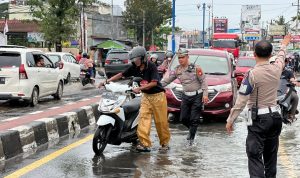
(34, 100)
(68, 79)
(59, 93)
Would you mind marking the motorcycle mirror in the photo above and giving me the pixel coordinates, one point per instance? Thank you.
(101, 73)
(137, 79)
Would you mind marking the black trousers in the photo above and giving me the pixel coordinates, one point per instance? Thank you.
(262, 145)
(191, 107)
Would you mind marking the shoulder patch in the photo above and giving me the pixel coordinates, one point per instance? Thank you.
(199, 71)
(246, 88)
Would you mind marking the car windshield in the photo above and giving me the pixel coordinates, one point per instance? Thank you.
(224, 44)
(55, 58)
(213, 65)
(246, 63)
(121, 56)
(10, 59)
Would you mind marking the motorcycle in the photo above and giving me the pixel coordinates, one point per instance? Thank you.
(85, 78)
(119, 116)
(284, 97)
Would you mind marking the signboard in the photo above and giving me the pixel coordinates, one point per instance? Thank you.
(251, 15)
(35, 37)
(276, 30)
(234, 30)
(220, 25)
(252, 37)
(295, 39)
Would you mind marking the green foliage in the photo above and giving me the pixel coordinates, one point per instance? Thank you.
(280, 20)
(161, 34)
(3, 10)
(157, 12)
(57, 18)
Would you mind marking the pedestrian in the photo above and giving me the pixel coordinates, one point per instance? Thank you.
(259, 92)
(153, 102)
(79, 56)
(195, 92)
(154, 58)
(296, 54)
(167, 61)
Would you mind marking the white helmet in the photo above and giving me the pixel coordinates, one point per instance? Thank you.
(154, 56)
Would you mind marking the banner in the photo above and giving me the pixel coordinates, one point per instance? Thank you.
(220, 25)
(251, 15)
(276, 30)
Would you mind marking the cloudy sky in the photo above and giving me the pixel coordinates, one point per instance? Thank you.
(189, 17)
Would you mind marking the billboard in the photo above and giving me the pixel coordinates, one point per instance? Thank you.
(251, 15)
(276, 30)
(220, 25)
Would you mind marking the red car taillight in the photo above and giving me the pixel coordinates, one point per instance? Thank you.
(126, 61)
(22, 72)
(107, 61)
(61, 65)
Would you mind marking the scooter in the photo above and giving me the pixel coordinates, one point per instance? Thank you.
(85, 78)
(284, 96)
(119, 116)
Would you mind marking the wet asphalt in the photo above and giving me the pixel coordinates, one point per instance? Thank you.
(214, 155)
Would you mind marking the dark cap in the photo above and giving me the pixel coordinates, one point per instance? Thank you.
(182, 52)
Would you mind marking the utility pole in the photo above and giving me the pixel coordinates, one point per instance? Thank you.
(212, 17)
(144, 31)
(209, 6)
(203, 32)
(173, 27)
(297, 17)
(112, 19)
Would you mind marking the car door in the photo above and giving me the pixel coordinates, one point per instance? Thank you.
(53, 73)
(75, 68)
(42, 76)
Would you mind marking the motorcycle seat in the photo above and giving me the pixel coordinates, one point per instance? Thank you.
(132, 106)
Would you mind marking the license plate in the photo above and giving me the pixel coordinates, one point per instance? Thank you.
(2, 80)
(117, 62)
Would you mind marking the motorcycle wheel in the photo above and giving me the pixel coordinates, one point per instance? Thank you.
(99, 140)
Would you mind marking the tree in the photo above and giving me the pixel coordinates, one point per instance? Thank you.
(57, 18)
(161, 35)
(156, 13)
(3, 10)
(280, 20)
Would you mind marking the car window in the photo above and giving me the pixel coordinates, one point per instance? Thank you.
(209, 64)
(66, 58)
(10, 59)
(121, 56)
(54, 58)
(30, 60)
(246, 63)
(48, 63)
(72, 59)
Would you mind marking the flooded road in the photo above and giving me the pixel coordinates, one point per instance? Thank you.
(215, 154)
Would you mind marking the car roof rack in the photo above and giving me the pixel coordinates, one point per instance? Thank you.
(11, 46)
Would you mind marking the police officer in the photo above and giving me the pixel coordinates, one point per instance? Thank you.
(153, 102)
(195, 92)
(259, 91)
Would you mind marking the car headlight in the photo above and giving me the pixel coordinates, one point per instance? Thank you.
(223, 88)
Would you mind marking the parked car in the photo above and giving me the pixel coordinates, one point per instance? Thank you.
(70, 67)
(161, 56)
(244, 64)
(20, 78)
(116, 61)
(220, 78)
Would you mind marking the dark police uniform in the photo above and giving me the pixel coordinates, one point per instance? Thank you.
(194, 88)
(259, 88)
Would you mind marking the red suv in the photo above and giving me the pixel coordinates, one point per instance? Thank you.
(220, 79)
(244, 64)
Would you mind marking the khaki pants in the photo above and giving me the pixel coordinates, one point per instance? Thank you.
(153, 105)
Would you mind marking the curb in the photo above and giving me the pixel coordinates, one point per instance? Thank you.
(27, 138)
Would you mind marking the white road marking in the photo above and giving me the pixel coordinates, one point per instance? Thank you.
(11, 119)
(54, 107)
(86, 99)
(36, 112)
(70, 103)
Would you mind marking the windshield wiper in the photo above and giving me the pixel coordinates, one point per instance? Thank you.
(216, 73)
